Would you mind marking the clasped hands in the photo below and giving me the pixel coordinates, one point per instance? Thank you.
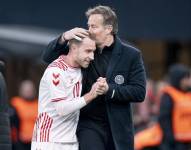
(100, 87)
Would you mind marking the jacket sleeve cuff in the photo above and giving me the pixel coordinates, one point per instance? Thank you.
(111, 91)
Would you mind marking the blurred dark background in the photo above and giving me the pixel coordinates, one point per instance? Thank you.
(161, 29)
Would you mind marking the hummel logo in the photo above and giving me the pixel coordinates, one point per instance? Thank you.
(56, 75)
(56, 82)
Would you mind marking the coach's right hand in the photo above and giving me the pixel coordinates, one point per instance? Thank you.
(75, 33)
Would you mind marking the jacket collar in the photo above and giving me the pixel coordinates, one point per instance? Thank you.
(117, 45)
(115, 57)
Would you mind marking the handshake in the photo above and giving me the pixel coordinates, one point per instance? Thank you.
(100, 87)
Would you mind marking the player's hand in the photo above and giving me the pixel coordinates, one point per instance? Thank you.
(102, 87)
(98, 88)
(75, 33)
(92, 94)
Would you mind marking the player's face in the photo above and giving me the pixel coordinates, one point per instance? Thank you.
(86, 53)
(97, 29)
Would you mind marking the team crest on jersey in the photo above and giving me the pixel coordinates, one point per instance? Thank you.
(55, 80)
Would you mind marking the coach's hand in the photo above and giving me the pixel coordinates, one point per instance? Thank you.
(103, 86)
(76, 33)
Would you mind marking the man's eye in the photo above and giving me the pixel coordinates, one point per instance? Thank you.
(93, 26)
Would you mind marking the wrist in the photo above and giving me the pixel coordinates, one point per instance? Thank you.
(62, 38)
(88, 97)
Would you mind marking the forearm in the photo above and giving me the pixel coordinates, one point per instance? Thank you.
(128, 93)
(70, 106)
(54, 50)
(89, 97)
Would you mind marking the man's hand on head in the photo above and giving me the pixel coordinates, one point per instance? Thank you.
(75, 33)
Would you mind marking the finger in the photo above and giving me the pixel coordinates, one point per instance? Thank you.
(104, 79)
(100, 84)
(82, 31)
(101, 88)
(81, 34)
(100, 92)
(77, 38)
(85, 32)
(100, 79)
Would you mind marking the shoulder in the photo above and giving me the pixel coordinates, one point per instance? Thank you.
(15, 101)
(59, 64)
(129, 51)
(166, 100)
(53, 77)
(53, 71)
(130, 48)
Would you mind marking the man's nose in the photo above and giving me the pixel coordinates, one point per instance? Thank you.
(91, 56)
(90, 30)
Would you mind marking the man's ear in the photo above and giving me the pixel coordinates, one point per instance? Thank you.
(73, 46)
(109, 29)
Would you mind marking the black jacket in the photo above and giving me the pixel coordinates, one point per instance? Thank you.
(126, 78)
(5, 140)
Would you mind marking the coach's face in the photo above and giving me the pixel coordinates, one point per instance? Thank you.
(98, 31)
